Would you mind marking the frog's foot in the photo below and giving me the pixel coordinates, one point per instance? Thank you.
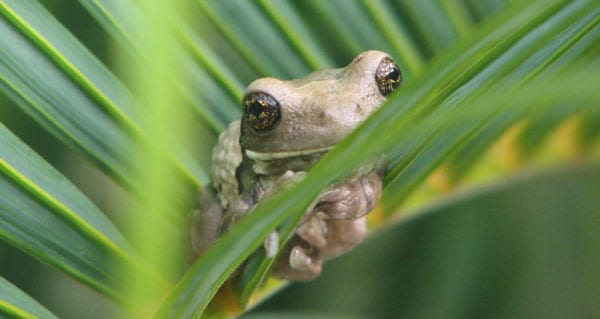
(314, 229)
(302, 260)
(299, 262)
(343, 235)
(351, 199)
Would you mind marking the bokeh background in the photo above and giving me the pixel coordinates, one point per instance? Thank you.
(524, 244)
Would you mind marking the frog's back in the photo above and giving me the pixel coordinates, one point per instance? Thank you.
(227, 156)
(215, 199)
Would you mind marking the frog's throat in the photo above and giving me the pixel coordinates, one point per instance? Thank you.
(283, 155)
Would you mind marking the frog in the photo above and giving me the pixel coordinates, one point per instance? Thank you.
(286, 127)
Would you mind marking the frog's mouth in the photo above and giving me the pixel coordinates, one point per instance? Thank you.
(257, 156)
(279, 162)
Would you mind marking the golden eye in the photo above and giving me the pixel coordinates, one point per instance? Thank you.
(261, 111)
(388, 76)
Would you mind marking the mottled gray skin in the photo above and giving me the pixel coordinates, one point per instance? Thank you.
(317, 111)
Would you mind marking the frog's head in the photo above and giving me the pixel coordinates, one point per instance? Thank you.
(284, 119)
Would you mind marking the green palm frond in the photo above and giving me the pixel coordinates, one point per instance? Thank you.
(45, 215)
(14, 303)
(476, 74)
(65, 88)
(502, 241)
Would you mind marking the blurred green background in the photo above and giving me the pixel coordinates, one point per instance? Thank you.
(521, 249)
(525, 246)
(63, 295)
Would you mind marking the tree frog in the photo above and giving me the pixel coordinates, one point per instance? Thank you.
(286, 127)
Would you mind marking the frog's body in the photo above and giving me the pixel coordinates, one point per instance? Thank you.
(288, 126)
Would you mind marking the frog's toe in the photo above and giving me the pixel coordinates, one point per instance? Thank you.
(351, 199)
(345, 202)
(300, 260)
(314, 230)
(300, 263)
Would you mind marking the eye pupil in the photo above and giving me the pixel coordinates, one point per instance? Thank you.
(254, 109)
(388, 76)
(394, 75)
(261, 112)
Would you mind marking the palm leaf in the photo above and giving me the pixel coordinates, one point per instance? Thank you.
(532, 52)
(480, 239)
(207, 73)
(42, 213)
(75, 97)
(198, 286)
(508, 72)
(442, 115)
(16, 304)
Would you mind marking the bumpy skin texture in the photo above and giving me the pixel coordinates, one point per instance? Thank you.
(253, 160)
(335, 224)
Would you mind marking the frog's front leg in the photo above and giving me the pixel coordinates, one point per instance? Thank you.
(271, 243)
(299, 260)
(353, 198)
(205, 222)
(333, 226)
(317, 239)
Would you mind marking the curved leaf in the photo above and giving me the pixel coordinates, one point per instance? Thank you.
(507, 67)
(59, 105)
(40, 27)
(458, 13)
(577, 35)
(14, 303)
(119, 18)
(65, 88)
(216, 86)
(397, 35)
(431, 24)
(433, 117)
(219, 80)
(245, 27)
(524, 248)
(295, 32)
(198, 286)
(42, 213)
(349, 21)
(426, 146)
(216, 118)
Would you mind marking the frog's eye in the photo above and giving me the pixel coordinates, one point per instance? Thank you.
(388, 76)
(261, 111)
